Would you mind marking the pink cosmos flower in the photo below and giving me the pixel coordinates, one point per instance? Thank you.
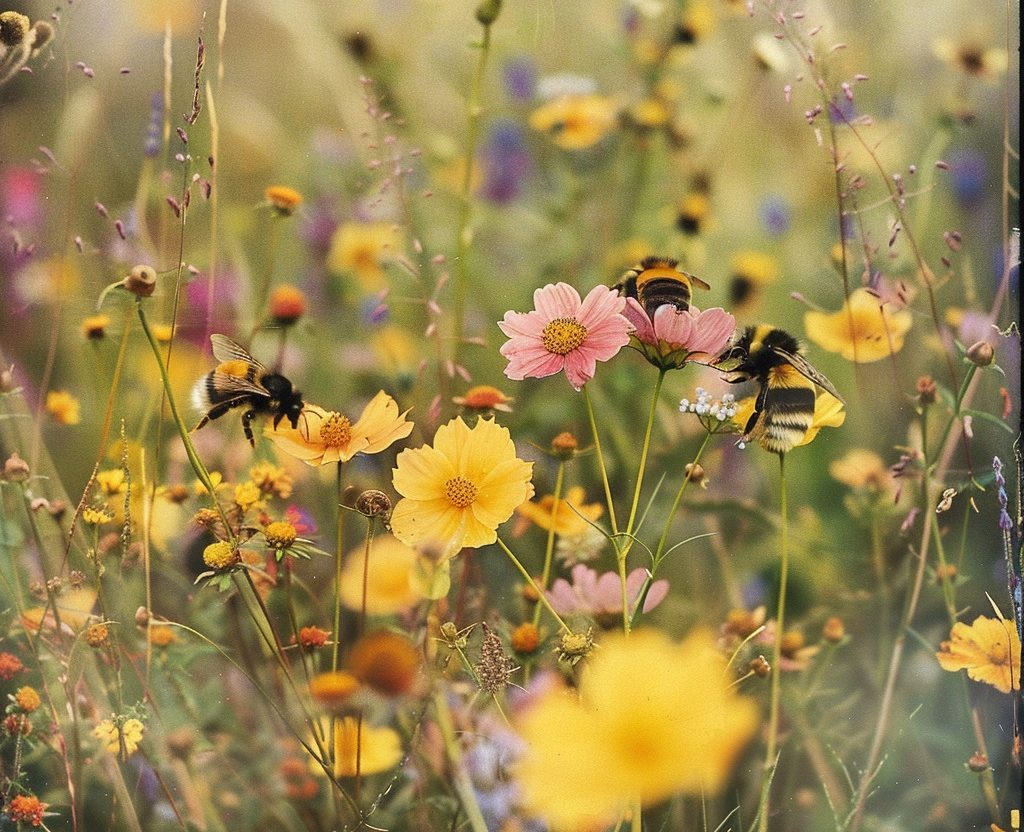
(600, 597)
(565, 333)
(674, 337)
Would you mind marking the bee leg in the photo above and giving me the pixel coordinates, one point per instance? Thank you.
(217, 411)
(247, 418)
(759, 404)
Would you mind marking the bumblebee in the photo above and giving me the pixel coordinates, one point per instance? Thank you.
(239, 380)
(784, 407)
(655, 281)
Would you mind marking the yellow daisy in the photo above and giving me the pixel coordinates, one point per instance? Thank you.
(379, 749)
(362, 248)
(989, 649)
(627, 737)
(458, 491)
(862, 331)
(389, 585)
(568, 518)
(576, 121)
(325, 436)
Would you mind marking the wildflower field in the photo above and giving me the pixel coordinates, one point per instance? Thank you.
(508, 417)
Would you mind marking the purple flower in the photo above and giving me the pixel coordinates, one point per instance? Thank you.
(775, 214)
(506, 162)
(600, 596)
(968, 175)
(520, 78)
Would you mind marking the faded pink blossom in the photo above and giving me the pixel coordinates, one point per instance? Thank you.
(674, 337)
(600, 596)
(565, 333)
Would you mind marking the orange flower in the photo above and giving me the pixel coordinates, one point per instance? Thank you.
(988, 649)
(283, 199)
(325, 436)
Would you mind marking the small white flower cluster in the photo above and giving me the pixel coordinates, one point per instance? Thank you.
(705, 405)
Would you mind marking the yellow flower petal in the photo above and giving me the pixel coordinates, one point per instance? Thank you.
(988, 649)
(862, 331)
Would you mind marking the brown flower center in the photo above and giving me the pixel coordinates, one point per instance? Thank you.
(460, 492)
(563, 335)
(335, 431)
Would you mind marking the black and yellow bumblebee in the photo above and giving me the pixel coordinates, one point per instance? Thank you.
(239, 380)
(784, 407)
(655, 281)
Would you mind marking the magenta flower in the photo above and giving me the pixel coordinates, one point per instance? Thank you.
(600, 597)
(565, 333)
(675, 336)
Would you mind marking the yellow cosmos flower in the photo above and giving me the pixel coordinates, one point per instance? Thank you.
(972, 58)
(63, 407)
(389, 586)
(587, 758)
(989, 649)
(325, 436)
(576, 121)
(862, 331)
(379, 749)
(861, 469)
(362, 248)
(458, 491)
(566, 517)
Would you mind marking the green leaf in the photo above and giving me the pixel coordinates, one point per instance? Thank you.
(991, 418)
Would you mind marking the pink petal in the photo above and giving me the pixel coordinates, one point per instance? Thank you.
(635, 314)
(600, 304)
(559, 300)
(532, 363)
(522, 323)
(608, 593)
(562, 597)
(634, 583)
(579, 368)
(712, 331)
(584, 579)
(656, 594)
(672, 326)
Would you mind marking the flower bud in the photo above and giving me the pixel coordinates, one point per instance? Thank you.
(141, 281)
(16, 469)
(981, 353)
(13, 28)
(43, 34)
(287, 304)
(760, 666)
(525, 639)
(926, 390)
(7, 379)
(565, 445)
(978, 762)
(487, 12)
(695, 472)
(141, 617)
(834, 630)
(373, 503)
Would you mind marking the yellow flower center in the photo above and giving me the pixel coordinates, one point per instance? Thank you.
(563, 335)
(336, 431)
(460, 492)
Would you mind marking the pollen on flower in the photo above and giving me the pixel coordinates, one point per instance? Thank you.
(335, 430)
(220, 555)
(460, 492)
(280, 534)
(563, 335)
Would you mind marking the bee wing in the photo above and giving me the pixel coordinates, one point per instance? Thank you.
(224, 349)
(802, 366)
(696, 281)
(236, 386)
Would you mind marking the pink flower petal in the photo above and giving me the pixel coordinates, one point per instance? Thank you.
(559, 300)
(600, 304)
(656, 594)
(672, 326)
(579, 368)
(608, 593)
(712, 331)
(635, 314)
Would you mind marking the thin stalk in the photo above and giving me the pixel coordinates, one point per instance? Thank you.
(540, 594)
(656, 560)
(601, 465)
(339, 552)
(474, 109)
(776, 680)
(463, 785)
(549, 549)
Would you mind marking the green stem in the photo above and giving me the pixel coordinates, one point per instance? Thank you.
(540, 593)
(644, 451)
(545, 575)
(656, 560)
(339, 552)
(601, 465)
(190, 451)
(463, 785)
(776, 680)
(465, 232)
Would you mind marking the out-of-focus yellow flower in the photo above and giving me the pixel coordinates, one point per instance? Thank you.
(155, 15)
(862, 331)
(27, 698)
(108, 733)
(95, 327)
(568, 517)
(652, 718)
(648, 113)
(988, 649)
(458, 491)
(971, 58)
(272, 479)
(750, 271)
(282, 199)
(576, 121)
(389, 585)
(325, 436)
(74, 608)
(247, 495)
(63, 407)
(396, 351)
(362, 249)
(379, 748)
(696, 23)
(693, 213)
(112, 482)
(861, 469)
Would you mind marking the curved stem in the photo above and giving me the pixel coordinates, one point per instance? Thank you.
(545, 575)
(540, 593)
(656, 560)
(601, 465)
(776, 686)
